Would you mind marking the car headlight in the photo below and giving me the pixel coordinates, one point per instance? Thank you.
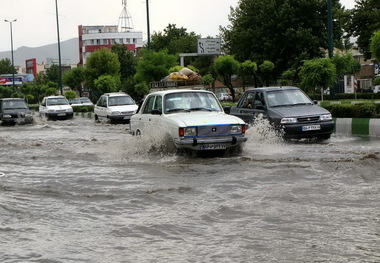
(326, 117)
(188, 131)
(288, 120)
(116, 113)
(7, 116)
(51, 111)
(69, 110)
(236, 129)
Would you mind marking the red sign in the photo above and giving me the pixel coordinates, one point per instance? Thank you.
(3, 80)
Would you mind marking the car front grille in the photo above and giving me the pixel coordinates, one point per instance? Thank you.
(126, 112)
(308, 119)
(213, 130)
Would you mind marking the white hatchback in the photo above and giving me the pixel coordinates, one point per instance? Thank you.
(56, 107)
(115, 107)
(191, 119)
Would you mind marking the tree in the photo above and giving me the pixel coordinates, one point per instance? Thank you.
(52, 74)
(74, 79)
(6, 67)
(317, 73)
(248, 69)
(278, 31)
(266, 69)
(101, 62)
(154, 66)
(364, 22)
(226, 66)
(70, 94)
(107, 83)
(375, 45)
(127, 62)
(345, 65)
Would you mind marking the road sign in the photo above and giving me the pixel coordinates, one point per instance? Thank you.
(209, 46)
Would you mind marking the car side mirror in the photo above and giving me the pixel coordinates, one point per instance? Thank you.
(156, 112)
(227, 109)
(315, 102)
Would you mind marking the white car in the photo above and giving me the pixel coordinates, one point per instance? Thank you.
(191, 119)
(115, 107)
(224, 96)
(56, 107)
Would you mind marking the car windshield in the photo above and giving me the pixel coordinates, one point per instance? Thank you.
(190, 101)
(287, 98)
(75, 101)
(85, 100)
(56, 101)
(120, 100)
(14, 104)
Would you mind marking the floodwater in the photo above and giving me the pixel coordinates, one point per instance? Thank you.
(79, 191)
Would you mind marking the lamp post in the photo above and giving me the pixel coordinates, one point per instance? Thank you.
(59, 50)
(330, 28)
(147, 18)
(13, 65)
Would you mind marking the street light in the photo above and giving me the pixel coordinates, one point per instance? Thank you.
(13, 65)
(59, 49)
(147, 18)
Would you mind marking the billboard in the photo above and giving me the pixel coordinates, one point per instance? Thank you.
(209, 46)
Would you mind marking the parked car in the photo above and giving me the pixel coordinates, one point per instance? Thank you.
(115, 107)
(191, 119)
(85, 101)
(56, 107)
(14, 110)
(224, 96)
(288, 109)
(75, 102)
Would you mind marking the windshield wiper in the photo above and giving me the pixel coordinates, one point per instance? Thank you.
(282, 105)
(203, 109)
(178, 109)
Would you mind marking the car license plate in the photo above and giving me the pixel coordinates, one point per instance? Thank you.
(218, 146)
(311, 127)
(61, 114)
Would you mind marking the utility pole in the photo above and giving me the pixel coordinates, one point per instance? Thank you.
(147, 16)
(59, 50)
(329, 28)
(13, 65)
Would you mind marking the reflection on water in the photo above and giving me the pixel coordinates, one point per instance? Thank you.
(79, 191)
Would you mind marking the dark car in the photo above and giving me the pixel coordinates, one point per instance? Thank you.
(14, 110)
(287, 108)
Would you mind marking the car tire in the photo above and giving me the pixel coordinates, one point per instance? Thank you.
(97, 118)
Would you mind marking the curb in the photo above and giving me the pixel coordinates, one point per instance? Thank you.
(348, 126)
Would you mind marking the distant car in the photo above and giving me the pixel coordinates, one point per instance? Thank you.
(115, 107)
(191, 119)
(85, 101)
(75, 102)
(288, 109)
(56, 107)
(14, 110)
(224, 96)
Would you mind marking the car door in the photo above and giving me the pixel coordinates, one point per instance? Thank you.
(145, 118)
(250, 106)
(101, 107)
(42, 108)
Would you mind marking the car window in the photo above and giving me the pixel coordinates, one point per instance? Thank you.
(56, 101)
(120, 100)
(158, 103)
(287, 97)
(259, 101)
(191, 101)
(247, 100)
(16, 104)
(149, 105)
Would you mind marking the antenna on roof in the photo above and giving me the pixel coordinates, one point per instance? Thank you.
(125, 19)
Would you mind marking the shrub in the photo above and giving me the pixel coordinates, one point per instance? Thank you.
(361, 110)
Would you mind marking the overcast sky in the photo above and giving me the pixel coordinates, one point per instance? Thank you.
(36, 20)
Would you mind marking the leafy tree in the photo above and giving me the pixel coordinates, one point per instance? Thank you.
(6, 67)
(317, 73)
(153, 66)
(375, 45)
(52, 74)
(5, 92)
(266, 69)
(376, 82)
(107, 83)
(74, 79)
(226, 66)
(101, 62)
(365, 21)
(284, 32)
(70, 94)
(209, 80)
(345, 64)
(248, 69)
(288, 76)
(127, 62)
(50, 91)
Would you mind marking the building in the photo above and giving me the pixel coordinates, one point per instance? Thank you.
(92, 38)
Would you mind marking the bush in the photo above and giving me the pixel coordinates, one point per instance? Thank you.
(361, 110)
(83, 108)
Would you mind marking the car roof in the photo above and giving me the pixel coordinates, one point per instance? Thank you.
(164, 92)
(12, 99)
(53, 97)
(111, 94)
(279, 88)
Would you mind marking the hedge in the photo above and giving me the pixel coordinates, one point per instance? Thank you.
(346, 96)
(360, 110)
(35, 107)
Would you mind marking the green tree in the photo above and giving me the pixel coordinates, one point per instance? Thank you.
(345, 65)
(284, 32)
(6, 67)
(52, 74)
(70, 94)
(266, 69)
(153, 66)
(107, 83)
(248, 69)
(375, 45)
(127, 62)
(74, 79)
(364, 22)
(225, 67)
(317, 74)
(101, 62)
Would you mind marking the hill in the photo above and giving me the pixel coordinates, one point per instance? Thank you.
(69, 53)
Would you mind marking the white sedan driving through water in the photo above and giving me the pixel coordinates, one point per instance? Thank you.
(191, 119)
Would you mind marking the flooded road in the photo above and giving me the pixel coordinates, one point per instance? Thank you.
(77, 191)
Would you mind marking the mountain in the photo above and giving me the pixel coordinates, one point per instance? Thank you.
(69, 53)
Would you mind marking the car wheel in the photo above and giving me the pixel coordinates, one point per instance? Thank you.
(138, 133)
(96, 118)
